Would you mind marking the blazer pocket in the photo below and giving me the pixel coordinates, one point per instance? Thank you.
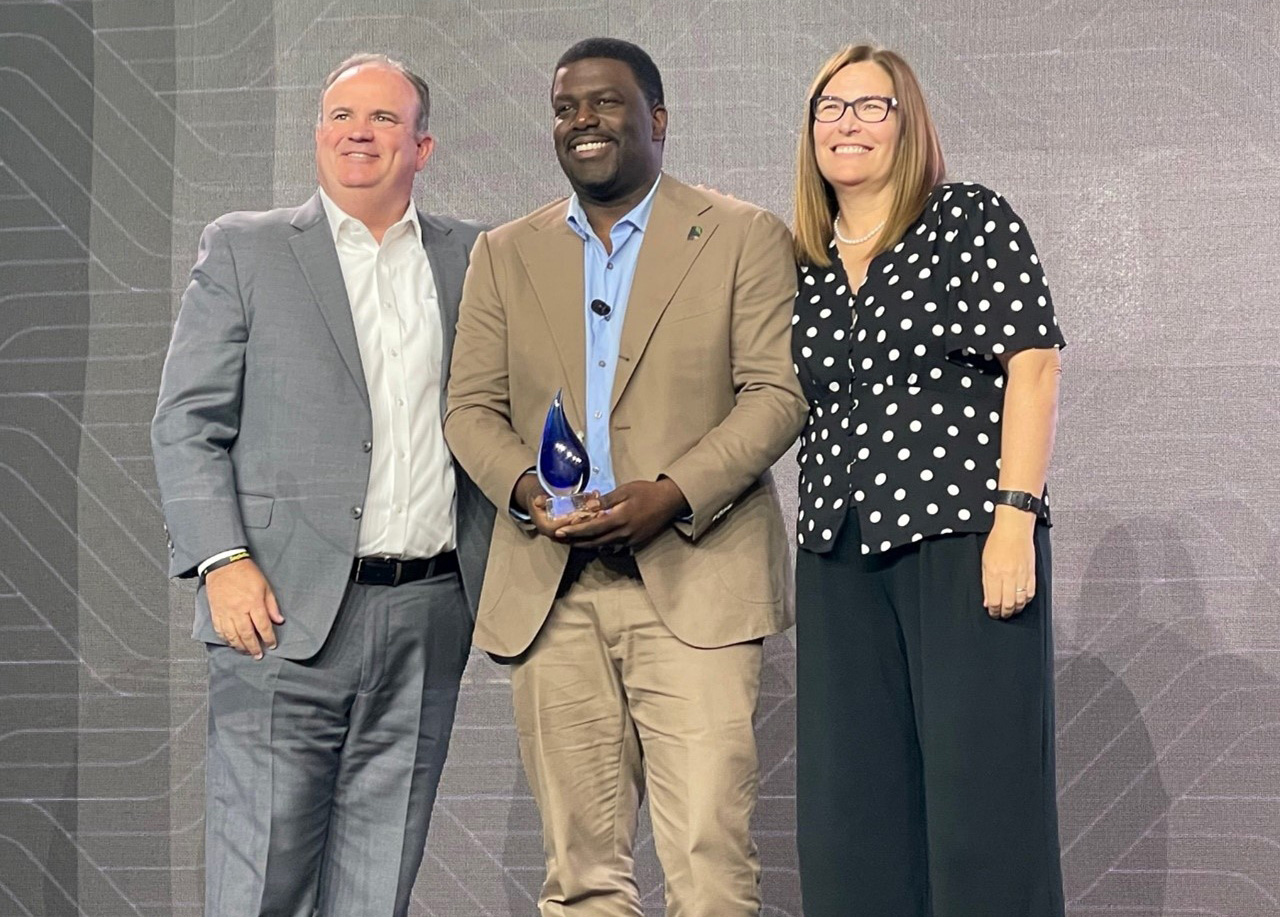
(255, 510)
(689, 304)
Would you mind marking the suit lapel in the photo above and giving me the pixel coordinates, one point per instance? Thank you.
(552, 256)
(448, 266)
(318, 259)
(666, 255)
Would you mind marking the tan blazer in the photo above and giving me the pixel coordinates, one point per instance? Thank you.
(705, 394)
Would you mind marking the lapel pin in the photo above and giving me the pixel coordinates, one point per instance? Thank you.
(694, 233)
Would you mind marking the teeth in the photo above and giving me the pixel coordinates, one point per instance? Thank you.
(592, 145)
(852, 149)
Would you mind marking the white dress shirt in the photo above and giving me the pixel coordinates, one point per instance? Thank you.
(408, 507)
(409, 504)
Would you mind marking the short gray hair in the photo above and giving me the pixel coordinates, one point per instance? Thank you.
(418, 83)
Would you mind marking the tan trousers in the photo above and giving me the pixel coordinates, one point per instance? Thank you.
(609, 703)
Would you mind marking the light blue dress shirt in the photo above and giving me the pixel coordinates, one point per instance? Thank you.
(606, 277)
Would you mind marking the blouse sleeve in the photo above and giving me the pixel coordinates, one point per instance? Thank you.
(998, 299)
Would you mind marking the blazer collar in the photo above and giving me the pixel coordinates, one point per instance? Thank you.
(318, 258)
(679, 226)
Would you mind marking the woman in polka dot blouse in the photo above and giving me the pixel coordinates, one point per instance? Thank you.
(925, 339)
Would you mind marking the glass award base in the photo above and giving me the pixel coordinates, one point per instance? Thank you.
(581, 505)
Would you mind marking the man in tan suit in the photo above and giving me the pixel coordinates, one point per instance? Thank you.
(663, 312)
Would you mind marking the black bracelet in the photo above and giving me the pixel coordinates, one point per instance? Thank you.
(1020, 499)
(224, 561)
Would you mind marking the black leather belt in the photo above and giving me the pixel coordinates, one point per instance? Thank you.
(391, 571)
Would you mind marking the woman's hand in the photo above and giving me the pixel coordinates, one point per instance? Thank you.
(1009, 563)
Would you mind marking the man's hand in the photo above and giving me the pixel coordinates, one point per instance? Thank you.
(529, 497)
(243, 607)
(631, 515)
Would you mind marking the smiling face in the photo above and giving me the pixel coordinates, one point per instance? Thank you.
(607, 135)
(849, 152)
(367, 145)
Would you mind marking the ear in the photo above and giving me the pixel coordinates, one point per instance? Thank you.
(425, 148)
(659, 123)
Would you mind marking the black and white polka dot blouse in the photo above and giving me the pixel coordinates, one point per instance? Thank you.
(905, 401)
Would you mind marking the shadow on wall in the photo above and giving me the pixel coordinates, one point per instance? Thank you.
(1157, 732)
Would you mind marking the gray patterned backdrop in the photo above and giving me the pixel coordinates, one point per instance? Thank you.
(1139, 138)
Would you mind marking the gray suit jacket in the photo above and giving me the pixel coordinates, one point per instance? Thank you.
(262, 427)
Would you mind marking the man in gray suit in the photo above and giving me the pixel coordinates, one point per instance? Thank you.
(306, 482)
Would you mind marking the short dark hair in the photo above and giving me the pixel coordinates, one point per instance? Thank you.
(635, 57)
(381, 60)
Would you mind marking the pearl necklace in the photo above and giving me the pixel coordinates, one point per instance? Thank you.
(858, 241)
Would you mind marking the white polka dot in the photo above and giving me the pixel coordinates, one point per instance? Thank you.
(964, 514)
(903, 519)
(874, 516)
(936, 409)
(826, 534)
(881, 478)
(915, 426)
(903, 454)
(970, 464)
(886, 545)
(953, 489)
(926, 475)
(939, 452)
(931, 509)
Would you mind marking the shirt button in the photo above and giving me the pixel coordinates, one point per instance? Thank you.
(394, 352)
(386, 305)
(366, 446)
(595, 469)
(357, 512)
(400, 401)
(609, 266)
(601, 364)
(597, 415)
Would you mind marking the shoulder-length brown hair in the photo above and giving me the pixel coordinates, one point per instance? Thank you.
(917, 166)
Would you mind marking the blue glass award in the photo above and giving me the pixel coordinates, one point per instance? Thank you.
(564, 467)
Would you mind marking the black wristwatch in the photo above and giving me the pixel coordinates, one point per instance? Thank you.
(1020, 499)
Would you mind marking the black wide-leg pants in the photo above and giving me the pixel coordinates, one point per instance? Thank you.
(925, 781)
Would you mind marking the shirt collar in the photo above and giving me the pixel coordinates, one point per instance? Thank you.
(638, 216)
(339, 217)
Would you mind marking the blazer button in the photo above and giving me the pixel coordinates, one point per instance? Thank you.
(357, 512)
(366, 446)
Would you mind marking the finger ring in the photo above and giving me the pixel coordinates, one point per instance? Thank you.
(1019, 590)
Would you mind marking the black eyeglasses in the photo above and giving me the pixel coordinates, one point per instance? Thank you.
(871, 109)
